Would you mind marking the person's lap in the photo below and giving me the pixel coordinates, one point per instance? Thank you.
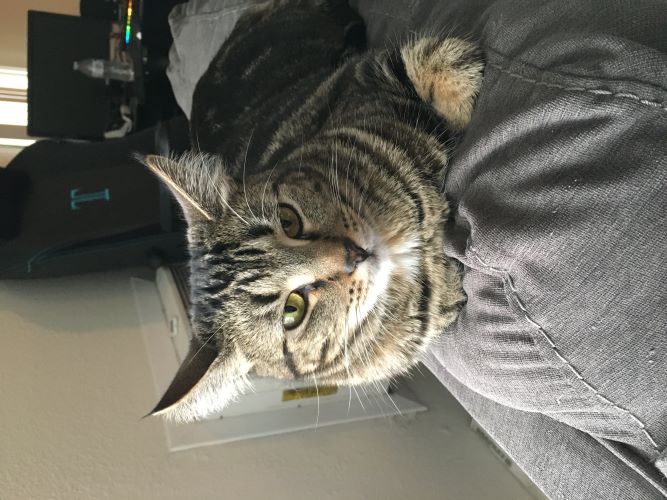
(559, 190)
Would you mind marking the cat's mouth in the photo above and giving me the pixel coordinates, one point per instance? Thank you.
(378, 261)
(374, 271)
(399, 247)
(397, 255)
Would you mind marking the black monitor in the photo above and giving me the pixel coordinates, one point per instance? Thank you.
(61, 101)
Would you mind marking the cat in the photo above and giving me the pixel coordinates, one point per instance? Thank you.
(313, 202)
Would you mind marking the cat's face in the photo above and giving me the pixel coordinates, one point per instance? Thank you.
(306, 272)
(299, 274)
(328, 266)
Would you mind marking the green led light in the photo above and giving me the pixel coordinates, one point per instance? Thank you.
(128, 23)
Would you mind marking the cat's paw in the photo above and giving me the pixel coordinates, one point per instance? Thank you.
(447, 73)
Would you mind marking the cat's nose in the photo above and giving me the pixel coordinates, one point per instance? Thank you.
(354, 255)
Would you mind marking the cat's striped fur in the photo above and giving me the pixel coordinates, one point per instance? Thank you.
(292, 112)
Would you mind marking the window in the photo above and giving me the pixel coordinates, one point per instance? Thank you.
(13, 112)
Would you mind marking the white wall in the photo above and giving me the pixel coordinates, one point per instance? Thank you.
(74, 381)
(14, 26)
(14, 49)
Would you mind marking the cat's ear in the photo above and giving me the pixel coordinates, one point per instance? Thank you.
(205, 382)
(446, 73)
(199, 182)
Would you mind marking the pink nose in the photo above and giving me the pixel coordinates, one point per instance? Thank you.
(354, 255)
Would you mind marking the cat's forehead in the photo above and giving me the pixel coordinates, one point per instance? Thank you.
(235, 252)
(302, 176)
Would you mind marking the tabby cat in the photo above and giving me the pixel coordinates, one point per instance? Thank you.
(313, 202)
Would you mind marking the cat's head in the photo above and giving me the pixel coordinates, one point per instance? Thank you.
(302, 272)
(328, 266)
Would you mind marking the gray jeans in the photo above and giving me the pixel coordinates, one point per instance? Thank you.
(560, 190)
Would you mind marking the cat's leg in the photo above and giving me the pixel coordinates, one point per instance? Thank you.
(445, 72)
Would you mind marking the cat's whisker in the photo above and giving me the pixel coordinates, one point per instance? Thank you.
(346, 361)
(330, 178)
(338, 196)
(347, 169)
(265, 186)
(375, 392)
(317, 391)
(363, 188)
(210, 337)
(386, 393)
(359, 399)
(419, 369)
(365, 392)
(364, 356)
(363, 198)
(245, 159)
(334, 176)
(197, 140)
(229, 207)
(222, 198)
(364, 353)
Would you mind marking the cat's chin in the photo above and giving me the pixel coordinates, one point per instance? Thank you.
(378, 269)
(399, 250)
(386, 260)
(398, 255)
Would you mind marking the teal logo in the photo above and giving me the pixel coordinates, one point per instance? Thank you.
(76, 198)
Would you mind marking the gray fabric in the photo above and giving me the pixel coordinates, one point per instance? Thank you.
(199, 27)
(565, 463)
(661, 463)
(559, 187)
(560, 194)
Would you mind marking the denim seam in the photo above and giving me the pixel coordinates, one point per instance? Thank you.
(623, 95)
(507, 276)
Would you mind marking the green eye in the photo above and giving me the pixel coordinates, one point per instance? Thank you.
(290, 221)
(294, 311)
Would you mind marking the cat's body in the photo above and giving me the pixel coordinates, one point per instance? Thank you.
(315, 218)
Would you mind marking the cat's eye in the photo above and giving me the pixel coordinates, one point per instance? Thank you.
(294, 311)
(290, 221)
